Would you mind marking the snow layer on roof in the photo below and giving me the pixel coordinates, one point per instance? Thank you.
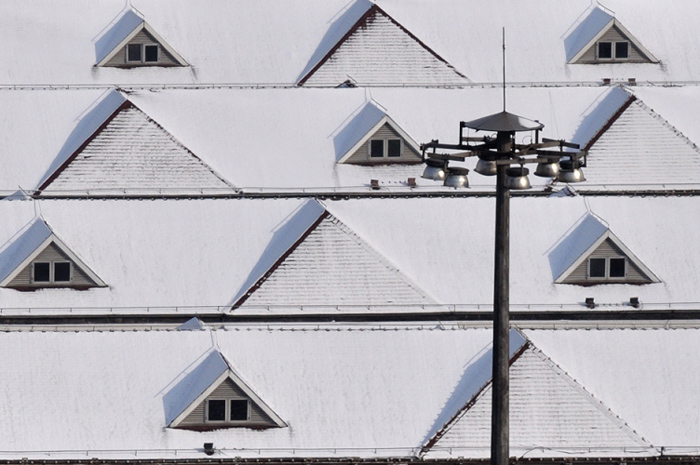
(585, 31)
(190, 387)
(357, 128)
(116, 33)
(583, 235)
(600, 113)
(22, 245)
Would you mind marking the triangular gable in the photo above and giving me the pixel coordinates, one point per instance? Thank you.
(548, 409)
(110, 48)
(326, 264)
(187, 397)
(351, 143)
(568, 259)
(28, 246)
(600, 25)
(375, 50)
(130, 151)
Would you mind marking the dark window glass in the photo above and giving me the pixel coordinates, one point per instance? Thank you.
(622, 49)
(217, 410)
(596, 267)
(604, 49)
(376, 148)
(239, 410)
(394, 148)
(133, 52)
(151, 53)
(617, 267)
(61, 272)
(42, 272)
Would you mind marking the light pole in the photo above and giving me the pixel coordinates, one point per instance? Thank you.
(496, 154)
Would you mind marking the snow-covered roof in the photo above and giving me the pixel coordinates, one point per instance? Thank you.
(368, 391)
(116, 34)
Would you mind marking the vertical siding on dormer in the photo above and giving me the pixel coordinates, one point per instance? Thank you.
(606, 250)
(143, 37)
(614, 35)
(361, 155)
(49, 254)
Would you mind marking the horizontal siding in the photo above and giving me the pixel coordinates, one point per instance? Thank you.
(361, 155)
(50, 254)
(606, 250)
(143, 37)
(228, 389)
(614, 35)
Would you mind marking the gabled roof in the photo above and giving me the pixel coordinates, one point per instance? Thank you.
(581, 242)
(361, 127)
(368, 46)
(119, 147)
(591, 29)
(122, 31)
(28, 244)
(543, 400)
(314, 259)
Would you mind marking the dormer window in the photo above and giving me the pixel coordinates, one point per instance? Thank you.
(613, 50)
(228, 410)
(609, 267)
(51, 272)
(380, 148)
(142, 53)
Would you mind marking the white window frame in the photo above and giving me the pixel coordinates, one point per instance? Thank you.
(52, 272)
(227, 411)
(385, 153)
(143, 54)
(613, 50)
(607, 268)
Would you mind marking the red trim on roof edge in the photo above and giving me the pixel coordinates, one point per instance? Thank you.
(610, 122)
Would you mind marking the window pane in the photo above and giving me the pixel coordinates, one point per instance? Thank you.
(617, 267)
(133, 52)
(61, 272)
(596, 267)
(41, 272)
(604, 49)
(376, 148)
(151, 53)
(622, 49)
(239, 409)
(394, 147)
(217, 410)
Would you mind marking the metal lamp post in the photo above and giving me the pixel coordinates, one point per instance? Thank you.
(496, 155)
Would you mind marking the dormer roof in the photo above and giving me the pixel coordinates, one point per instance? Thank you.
(591, 239)
(38, 243)
(212, 373)
(600, 25)
(370, 122)
(126, 30)
(368, 47)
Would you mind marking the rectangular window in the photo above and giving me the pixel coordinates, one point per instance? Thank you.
(394, 147)
(216, 410)
(239, 410)
(376, 148)
(605, 50)
(622, 50)
(42, 272)
(151, 53)
(61, 272)
(617, 267)
(596, 267)
(133, 52)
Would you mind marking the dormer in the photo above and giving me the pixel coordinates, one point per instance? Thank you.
(38, 259)
(593, 255)
(214, 396)
(131, 42)
(601, 38)
(371, 137)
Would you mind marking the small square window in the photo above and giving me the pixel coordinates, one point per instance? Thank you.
(216, 410)
(61, 272)
(376, 148)
(42, 272)
(133, 52)
(239, 410)
(596, 267)
(605, 50)
(151, 53)
(622, 50)
(394, 147)
(617, 267)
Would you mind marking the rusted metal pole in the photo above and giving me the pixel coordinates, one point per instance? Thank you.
(501, 320)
